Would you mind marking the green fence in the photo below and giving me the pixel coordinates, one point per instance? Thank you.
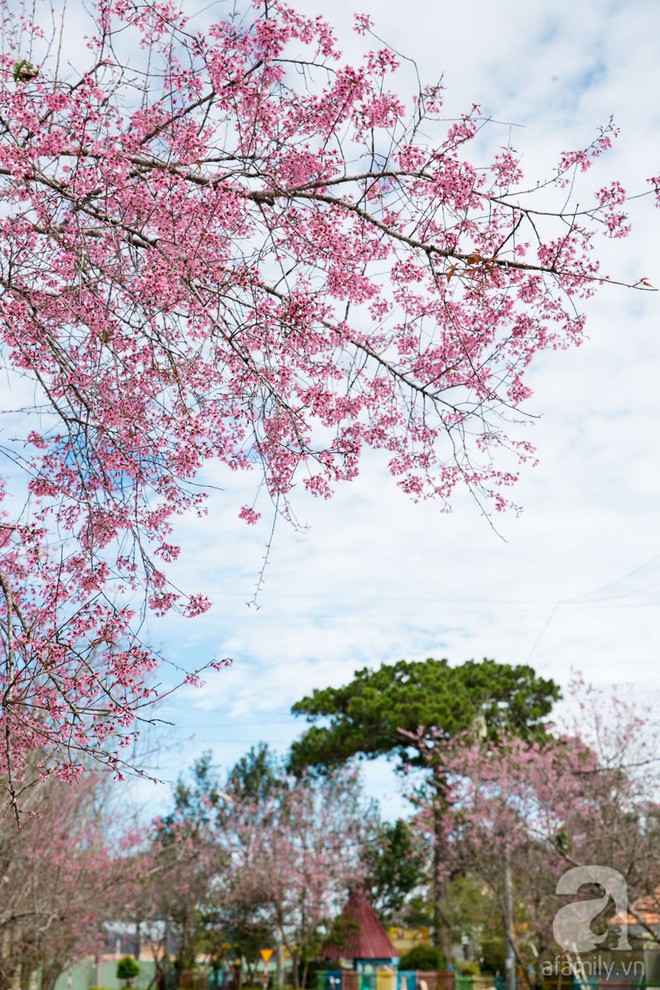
(88, 974)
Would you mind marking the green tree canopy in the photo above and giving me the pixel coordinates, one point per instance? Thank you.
(127, 970)
(366, 716)
(394, 863)
(194, 799)
(255, 776)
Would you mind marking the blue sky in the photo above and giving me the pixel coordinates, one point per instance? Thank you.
(570, 584)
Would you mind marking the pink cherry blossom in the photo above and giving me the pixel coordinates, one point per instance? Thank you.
(238, 248)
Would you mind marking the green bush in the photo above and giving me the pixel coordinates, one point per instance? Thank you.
(426, 958)
(127, 969)
(470, 969)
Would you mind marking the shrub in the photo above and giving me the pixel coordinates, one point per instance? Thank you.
(470, 969)
(423, 957)
(127, 969)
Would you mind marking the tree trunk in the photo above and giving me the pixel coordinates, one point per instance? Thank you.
(510, 952)
(280, 961)
(9, 974)
(29, 966)
(49, 978)
(441, 933)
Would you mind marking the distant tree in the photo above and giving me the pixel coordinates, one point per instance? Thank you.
(181, 858)
(195, 800)
(418, 912)
(366, 716)
(521, 814)
(61, 880)
(292, 856)
(472, 911)
(388, 711)
(394, 865)
(231, 844)
(206, 808)
(254, 776)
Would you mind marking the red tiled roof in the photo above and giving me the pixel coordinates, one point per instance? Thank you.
(647, 908)
(365, 937)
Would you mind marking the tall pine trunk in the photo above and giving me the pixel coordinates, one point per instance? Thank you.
(441, 931)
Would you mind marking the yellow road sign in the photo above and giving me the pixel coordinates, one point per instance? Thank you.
(266, 954)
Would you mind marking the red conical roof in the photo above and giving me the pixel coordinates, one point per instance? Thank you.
(365, 937)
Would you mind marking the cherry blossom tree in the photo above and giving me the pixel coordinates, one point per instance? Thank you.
(81, 860)
(165, 879)
(235, 247)
(182, 858)
(519, 815)
(292, 857)
(59, 881)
